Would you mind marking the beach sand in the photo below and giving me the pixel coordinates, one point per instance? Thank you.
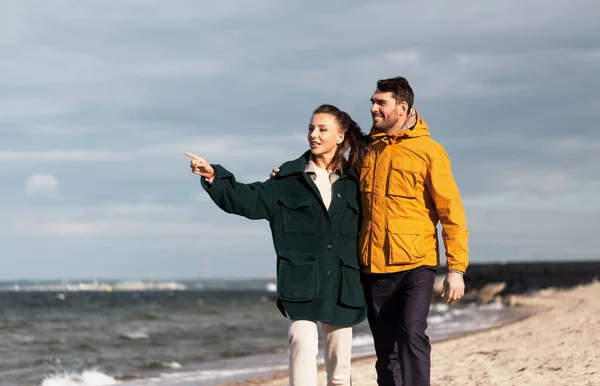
(558, 345)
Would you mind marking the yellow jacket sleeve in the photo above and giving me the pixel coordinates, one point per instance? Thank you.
(451, 212)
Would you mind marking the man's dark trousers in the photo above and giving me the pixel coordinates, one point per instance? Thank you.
(398, 306)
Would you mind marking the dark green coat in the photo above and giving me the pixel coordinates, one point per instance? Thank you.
(318, 275)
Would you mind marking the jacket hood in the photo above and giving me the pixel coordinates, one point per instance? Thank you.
(298, 166)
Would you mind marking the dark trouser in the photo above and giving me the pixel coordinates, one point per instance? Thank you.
(398, 306)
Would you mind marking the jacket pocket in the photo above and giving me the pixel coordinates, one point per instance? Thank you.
(406, 240)
(402, 183)
(297, 215)
(351, 291)
(297, 277)
(350, 219)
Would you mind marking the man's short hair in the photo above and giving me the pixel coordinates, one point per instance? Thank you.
(399, 88)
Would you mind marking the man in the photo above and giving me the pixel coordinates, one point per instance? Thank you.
(407, 187)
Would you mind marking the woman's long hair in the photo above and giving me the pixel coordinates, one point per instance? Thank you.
(354, 140)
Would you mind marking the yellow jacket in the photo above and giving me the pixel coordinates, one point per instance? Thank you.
(407, 186)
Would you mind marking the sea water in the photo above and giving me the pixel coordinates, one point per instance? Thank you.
(189, 333)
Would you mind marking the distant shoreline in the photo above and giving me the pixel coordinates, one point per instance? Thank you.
(474, 268)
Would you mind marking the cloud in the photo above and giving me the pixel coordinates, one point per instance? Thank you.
(532, 233)
(185, 68)
(41, 184)
(108, 96)
(10, 156)
(121, 219)
(133, 240)
(207, 146)
(75, 228)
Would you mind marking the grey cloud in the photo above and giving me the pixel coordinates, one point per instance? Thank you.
(131, 240)
(108, 95)
(530, 234)
(151, 155)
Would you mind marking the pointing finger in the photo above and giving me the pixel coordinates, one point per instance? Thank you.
(192, 156)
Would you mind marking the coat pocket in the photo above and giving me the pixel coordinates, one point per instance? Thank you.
(297, 215)
(351, 291)
(406, 240)
(402, 183)
(350, 223)
(297, 277)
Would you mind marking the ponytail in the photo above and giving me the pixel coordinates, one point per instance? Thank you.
(359, 143)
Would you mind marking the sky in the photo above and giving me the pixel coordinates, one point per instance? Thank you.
(100, 99)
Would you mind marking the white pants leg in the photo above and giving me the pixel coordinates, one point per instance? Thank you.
(303, 337)
(338, 354)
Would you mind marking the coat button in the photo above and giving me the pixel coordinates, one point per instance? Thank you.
(338, 195)
(328, 272)
(329, 246)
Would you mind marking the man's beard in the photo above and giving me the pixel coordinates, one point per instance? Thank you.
(385, 124)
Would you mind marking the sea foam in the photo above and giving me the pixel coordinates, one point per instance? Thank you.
(87, 378)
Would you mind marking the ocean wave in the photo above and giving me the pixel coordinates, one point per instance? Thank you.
(24, 339)
(172, 365)
(30, 340)
(21, 324)
(219, 374)
(146, 316)
(86, 378)
(157, 364)
(135, 335)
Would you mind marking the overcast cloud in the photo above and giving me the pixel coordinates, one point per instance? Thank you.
(100, 99)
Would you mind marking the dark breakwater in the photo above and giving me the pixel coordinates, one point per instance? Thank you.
(524, 277)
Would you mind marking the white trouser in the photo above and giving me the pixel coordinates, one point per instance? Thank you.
(303, 337)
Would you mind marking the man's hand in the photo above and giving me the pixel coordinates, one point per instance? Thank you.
(454, 287)
(200, 167)
(274, 172)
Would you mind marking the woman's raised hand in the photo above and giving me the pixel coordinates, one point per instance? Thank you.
(200, 167)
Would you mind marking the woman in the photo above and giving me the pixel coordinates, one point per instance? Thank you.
(312, 206)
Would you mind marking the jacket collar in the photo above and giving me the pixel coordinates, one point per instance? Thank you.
(296, 166)
(311, 170)
(305, 164)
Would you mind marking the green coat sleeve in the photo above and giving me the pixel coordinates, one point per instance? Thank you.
(254, 201)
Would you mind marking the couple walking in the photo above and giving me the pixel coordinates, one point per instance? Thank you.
(356, 238)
